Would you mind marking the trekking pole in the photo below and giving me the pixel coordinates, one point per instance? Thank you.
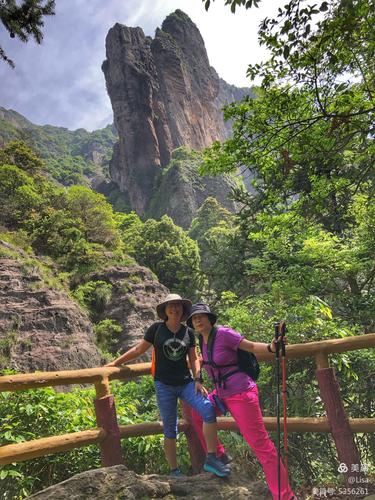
(277, 333)
(283, 367)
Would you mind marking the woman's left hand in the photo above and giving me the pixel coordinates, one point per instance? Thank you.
(200, 388)
(274, 342)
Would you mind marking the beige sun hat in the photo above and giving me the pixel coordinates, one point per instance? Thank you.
(173, 297)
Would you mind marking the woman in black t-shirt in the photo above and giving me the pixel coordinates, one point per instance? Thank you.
(173, 343)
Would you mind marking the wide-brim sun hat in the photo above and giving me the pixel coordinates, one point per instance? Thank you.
(201, 308)
(173, 297)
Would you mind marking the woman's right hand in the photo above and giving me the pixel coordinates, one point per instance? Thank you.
(200, 388)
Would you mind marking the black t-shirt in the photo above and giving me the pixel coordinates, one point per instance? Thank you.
(171, 350)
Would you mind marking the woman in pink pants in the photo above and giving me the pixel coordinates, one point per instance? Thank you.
(239, 393)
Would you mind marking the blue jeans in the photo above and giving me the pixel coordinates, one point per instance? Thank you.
(167, 396)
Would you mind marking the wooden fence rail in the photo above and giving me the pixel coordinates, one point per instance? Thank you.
(47, 446)
(109, 433)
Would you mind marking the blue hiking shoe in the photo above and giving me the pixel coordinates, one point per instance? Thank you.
(214, 465)
(225, 459)
(175, 473)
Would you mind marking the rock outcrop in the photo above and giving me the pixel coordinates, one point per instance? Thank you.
(180, 190)
(135, 295)
(119, 482)
(40, 328)
(164, 95)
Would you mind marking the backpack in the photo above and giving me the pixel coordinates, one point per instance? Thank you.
(153, 355)
(246, 361)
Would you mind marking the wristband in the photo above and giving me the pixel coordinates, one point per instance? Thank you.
(270, 350)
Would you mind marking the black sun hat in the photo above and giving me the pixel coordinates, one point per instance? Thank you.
(201, 308)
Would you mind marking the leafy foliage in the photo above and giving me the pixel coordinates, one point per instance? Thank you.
(25, 20)
(43, 412)
(166, 249)
(235, 3)
(18, 153)
(303, 236)
(94, 296)
(106, 333)
(70, 157)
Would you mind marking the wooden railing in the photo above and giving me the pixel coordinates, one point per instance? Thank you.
(108, 434)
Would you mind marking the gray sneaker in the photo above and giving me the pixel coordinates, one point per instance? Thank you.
(214, 465)
(175, 473)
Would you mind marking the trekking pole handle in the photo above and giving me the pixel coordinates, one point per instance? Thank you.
(280, 331)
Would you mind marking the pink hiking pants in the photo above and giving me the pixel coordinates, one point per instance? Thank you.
(246, 411)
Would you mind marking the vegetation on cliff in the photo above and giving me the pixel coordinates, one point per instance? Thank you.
(70, 157)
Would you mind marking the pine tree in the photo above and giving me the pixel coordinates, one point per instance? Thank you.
(25, 20)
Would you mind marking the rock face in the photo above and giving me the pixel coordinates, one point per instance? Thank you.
(180, 190)
(135, 295)
(40, 328)
(119, 482)
(164, 95)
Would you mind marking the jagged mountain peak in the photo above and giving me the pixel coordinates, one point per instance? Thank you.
(164, 95)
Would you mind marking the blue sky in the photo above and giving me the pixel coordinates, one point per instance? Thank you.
(61, 82)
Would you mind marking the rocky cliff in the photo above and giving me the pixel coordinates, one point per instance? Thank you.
(41, 328)
(180, 190)
(135, 295)
(164, 95)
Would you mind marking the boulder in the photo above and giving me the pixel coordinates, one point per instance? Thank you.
(120, 483)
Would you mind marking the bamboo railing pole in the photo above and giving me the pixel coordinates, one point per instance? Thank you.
(46, 446)
(347, 450)
(197, 453)
(105, 410)
(40, 447)
(23, 381)
(129, 372)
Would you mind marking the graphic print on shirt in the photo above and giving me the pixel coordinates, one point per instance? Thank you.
(175, 349)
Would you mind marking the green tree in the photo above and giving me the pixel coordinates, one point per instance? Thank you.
(169, 252)
(94, 296)
(130, 226)
(209, 215)
(24, 20)
(307, 134)
(20, 154)
(57, 233)
(221, 249)
(19, 195)
(107, 334)
(94, 214)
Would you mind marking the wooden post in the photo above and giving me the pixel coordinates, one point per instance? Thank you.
(330, 393)
(110, 447)
(197, 454)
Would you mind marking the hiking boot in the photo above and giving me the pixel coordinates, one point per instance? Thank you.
(214, 465)
(175, 473)
(225, 459)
